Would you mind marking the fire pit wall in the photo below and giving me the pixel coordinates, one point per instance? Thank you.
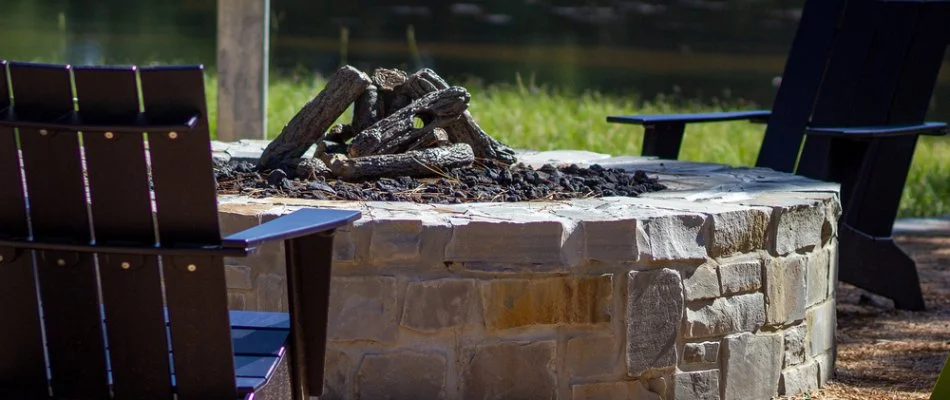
(721, 287)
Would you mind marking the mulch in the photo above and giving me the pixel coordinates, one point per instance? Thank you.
(885, 353)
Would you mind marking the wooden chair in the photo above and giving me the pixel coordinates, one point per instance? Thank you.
(112, 280)
(858, 81)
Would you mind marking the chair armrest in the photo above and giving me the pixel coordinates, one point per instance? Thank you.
(753, 116)
(299, 223)
(868, 132)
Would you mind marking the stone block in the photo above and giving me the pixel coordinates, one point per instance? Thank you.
(701, 283)
(798, 223)
(820, 322)
(271, 293)
(592, 356)
(344, 245)
(795, 345)
(741, 231)
(511, 370)
(394, 241)
(237, 218)
(237, 301)
(626, 390)
(740, 277)
(438, 304)
(363, 308)
(238, 277)
(697, 385)
(785, 290)
(725, 315)
(752, 366)
(817, 272)
(674, 237)
(512, 303)
(436, 233)
(337, 379)
(653, 314)
(700, 353)
(611, 240)
(799, 379)
(826, 367)
(531, 242)
(712, 352)
(402, 375)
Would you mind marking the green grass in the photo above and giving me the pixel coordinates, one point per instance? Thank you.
(544, 118)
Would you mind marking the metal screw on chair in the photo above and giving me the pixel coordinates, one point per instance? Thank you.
(126, 265)
(192, 267)
(173, 135)
(61, 262)
(1, 259)
(110, 135)
(44, 132)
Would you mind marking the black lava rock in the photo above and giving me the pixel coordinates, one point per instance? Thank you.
(486, 182)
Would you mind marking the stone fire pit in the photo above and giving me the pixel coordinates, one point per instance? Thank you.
(721, 287)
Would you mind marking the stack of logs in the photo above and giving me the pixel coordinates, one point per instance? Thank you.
(403, 125)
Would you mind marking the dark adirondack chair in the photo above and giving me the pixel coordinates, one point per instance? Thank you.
(111, 260)
(856, 88)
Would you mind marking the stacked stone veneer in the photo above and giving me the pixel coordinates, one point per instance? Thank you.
(721, 289)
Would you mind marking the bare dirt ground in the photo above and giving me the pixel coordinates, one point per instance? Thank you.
(884, 353)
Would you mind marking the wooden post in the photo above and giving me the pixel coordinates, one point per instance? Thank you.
(243, 27)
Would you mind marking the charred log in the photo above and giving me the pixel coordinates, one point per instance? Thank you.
(366, 110)
(340, 133)
(390, 100)
(465, 129)
(312, 121)
(396, 133)
(426, 162)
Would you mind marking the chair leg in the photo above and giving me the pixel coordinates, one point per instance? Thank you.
(663, 140)
(309, 261)
(878, 265)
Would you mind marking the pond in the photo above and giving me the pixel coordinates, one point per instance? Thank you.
(698, 48)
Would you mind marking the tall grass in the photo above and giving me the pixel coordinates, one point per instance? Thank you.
(530, 116)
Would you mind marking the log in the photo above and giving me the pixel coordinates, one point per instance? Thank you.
(366, 110)
(436, 138)
(416, 163)
(310, 168)
(312, 121)
(396, 133)
(465, 129)
(339, 133)
(390, 100)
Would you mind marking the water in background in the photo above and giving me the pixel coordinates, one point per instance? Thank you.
(697, 48)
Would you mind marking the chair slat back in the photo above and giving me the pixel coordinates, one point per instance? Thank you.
(119, 186)
(181, 162)
(22, 362)
(122, 211)
(875, 195)
(58, 212)
(804, 69)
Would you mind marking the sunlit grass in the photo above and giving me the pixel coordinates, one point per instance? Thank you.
(544, 118)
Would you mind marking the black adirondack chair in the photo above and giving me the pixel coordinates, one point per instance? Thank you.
(857, 84)
(111, 260)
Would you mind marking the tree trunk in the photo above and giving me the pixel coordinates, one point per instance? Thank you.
(312, 121)
(415, 163)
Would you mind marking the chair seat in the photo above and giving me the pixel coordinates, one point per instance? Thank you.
(259, 340)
